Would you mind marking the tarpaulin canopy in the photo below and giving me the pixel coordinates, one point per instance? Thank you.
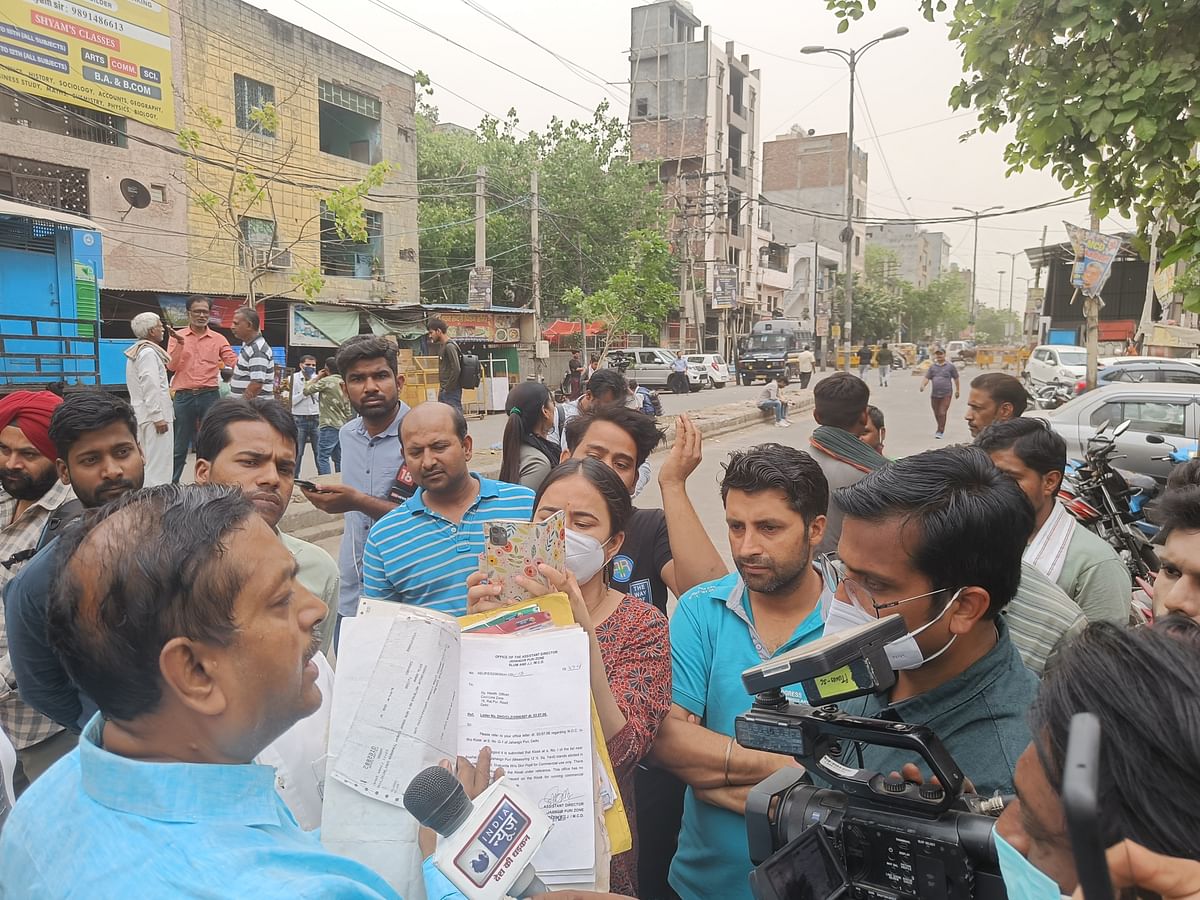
(562, 327)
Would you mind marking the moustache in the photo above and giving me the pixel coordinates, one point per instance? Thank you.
(123, 486)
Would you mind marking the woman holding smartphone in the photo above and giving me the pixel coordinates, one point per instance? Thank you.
(630, 643)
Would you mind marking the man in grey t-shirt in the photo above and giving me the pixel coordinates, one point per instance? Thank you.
(944, 378)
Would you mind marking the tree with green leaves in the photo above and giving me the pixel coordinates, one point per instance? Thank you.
(636, 299)
(592, 199)
(1104, 93)
(233, 177)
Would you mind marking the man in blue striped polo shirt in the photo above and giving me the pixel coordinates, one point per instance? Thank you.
(423, 550)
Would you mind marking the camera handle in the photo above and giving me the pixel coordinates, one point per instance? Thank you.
(828, 724)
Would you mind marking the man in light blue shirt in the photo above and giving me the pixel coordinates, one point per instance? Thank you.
(179, 611)
(372, 478)
(775, 499)
(422, 551)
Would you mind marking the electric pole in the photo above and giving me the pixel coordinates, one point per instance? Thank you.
(1091, 312)
(480, 217)
(534, 239)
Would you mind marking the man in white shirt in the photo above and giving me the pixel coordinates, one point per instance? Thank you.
(150, 396)
(306, 410)
(806, 364)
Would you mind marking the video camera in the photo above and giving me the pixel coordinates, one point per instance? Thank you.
(869, 836)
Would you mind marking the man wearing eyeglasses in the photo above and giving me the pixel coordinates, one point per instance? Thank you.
(937, 539)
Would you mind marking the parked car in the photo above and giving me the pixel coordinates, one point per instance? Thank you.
(1169, 410)
(651, 366)
(1144, 370)
(716, 370)
(1056, 364)
(1130, 360)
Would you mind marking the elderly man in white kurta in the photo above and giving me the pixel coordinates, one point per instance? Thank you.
(150, 396)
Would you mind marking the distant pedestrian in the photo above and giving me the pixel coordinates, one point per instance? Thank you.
(883, 358)
(150, 396)
(306, 410)
(864, 361)
(944, 378)
(449, 363)
(254, 371)
(806, 364)
(573, 384)
(196, 355)
(769, 400)
(335, 412)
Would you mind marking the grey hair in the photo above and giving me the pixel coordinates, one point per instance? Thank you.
(143, 323)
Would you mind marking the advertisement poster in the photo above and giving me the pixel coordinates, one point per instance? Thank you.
(725, 285)
(111, 55)
(479, 287)
(1094, 255)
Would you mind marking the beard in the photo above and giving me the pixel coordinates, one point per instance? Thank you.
(776, 577)
(23, 486)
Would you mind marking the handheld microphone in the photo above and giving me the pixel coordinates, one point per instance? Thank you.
(488, 842)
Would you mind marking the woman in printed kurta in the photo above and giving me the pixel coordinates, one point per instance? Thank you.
(630, 646)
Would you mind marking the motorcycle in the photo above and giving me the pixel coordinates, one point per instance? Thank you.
(1099, 496)
(1048, 396)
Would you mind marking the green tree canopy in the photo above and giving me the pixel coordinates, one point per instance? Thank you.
(593, 200)
(1102, 92)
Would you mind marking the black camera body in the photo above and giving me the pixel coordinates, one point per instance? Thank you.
(869, 835)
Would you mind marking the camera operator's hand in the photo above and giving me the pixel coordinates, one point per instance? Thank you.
(911, 772)
(1132, 865)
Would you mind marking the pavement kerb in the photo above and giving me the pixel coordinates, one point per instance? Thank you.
(304, 520)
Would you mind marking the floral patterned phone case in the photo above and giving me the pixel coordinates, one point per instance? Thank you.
(514, 548)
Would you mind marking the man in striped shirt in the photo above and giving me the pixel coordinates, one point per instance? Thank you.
(254, 372)
(422, 551)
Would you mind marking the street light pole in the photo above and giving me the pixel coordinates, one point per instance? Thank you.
(975, 214)
(851, 58)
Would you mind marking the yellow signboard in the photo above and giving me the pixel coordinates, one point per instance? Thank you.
(111, 55)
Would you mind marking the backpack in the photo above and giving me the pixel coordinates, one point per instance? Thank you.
(470, 371)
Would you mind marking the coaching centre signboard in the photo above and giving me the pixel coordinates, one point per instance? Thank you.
(110, 55)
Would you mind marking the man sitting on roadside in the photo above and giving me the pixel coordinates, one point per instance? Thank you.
(840, 408)
(994, 397)
(1062, 549)
(422, 551)
(937, 539)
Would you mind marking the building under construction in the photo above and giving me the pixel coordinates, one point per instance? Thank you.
(693, 107)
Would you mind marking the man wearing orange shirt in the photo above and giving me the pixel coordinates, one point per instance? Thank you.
(197, 355)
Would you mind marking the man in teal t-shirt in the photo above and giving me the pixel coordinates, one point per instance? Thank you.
(775, 499)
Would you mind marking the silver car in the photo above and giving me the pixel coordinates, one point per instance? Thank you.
(1169, 410)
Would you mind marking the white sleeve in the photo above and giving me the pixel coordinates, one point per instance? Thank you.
(145, 364)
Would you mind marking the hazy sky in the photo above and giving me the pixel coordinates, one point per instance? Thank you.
(904, 85)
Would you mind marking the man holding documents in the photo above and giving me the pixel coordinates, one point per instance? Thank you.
(775, 499)
(179, 612)
(422, 551)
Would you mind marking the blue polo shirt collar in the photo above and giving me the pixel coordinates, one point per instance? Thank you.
(176, 792)
(737, 601)
(488, 490)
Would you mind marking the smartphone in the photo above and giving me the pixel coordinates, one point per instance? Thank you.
(309, 485)
(516, 548)
(1080, 799)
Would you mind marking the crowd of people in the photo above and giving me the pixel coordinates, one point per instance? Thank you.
(169, 652)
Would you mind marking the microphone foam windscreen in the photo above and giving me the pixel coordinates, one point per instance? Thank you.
(437, 800)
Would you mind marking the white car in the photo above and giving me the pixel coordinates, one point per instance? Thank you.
(1056, 364)
(653, 367)
(716, 370)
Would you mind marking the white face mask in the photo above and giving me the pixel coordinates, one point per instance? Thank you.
(585, 556)
(903, 653)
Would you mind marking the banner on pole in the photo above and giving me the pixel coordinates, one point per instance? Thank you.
(1094, 255)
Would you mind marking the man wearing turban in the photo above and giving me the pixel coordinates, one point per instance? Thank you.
(31, 496)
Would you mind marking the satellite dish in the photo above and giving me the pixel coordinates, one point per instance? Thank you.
(135, 193)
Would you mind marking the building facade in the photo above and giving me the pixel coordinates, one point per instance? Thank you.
(193, 191)
(693, 106)
(922, 256)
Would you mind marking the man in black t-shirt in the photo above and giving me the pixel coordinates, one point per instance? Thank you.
(664, 548)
